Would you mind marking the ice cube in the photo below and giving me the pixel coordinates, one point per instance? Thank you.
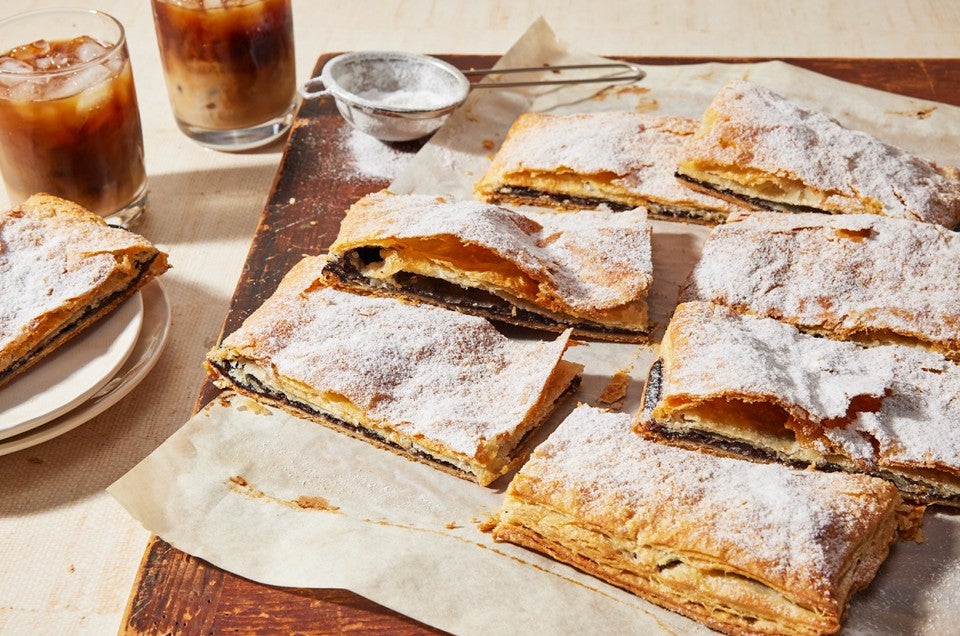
(75, 83)
(115, 65)
(11, 65)
(26, 90)
(88, 49)
(63, 59)
(95, 97)
(38, 48)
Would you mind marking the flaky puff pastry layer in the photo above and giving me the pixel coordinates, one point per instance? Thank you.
(860, 276)
(618, 158)
(745, 548)
(758, 388)
(432, 385)
(62, 268)
(590, 270)
(766, 150)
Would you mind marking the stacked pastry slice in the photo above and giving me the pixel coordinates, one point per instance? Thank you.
(745, 548)
(589, 270)
(618, 159)
(61, 270)
(760, 389)
(757, 147)
(430, 384)
(745, 370)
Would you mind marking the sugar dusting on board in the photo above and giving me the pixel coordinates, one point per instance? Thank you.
(372, 158)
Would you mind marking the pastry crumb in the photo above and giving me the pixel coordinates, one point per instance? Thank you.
(615, 392)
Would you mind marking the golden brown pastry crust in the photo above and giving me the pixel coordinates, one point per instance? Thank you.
(432, 385)
(62, 269)
(758, 146)
(860, 277)
(587, 270)
(757, 388)
(745, 548)
(620, 159)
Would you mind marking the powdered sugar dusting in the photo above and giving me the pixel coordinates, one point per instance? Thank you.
(428, 372)
(845, 274)
(917, 424)
(791, 528)
(641, 151)
(581, 261)
(758, 129)
(717, 352)
(372, 158)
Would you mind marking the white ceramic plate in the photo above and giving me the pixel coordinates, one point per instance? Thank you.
(146, 351)
(71, 374)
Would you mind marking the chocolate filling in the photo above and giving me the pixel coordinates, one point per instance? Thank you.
(64, 330)
(656, 210)
(765, 204)
(563, 199)
(912, 489)
(347, 270)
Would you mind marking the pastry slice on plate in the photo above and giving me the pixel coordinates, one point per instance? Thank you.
(617, 159)
(62, 268)
(860, 277)
(760, 389)
(745, 548)
(589, 271)
(759, 148)
(430, 384)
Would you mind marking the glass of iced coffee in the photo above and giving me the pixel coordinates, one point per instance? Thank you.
(69, 122)
(229, 68)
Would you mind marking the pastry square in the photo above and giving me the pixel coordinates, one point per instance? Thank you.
(587, 270)
(62, 268)
(619, 159)
(745, 548)
(861, 277)
(429, 384)
(760, 389)
(758, 147)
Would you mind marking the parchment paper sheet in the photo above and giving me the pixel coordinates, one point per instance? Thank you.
(288, 502)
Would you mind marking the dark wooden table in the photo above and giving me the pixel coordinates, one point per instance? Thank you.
(177, 593)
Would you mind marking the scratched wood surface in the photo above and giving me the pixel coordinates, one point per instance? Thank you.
(177, 593)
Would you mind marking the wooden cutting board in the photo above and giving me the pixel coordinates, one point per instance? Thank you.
(177, 593)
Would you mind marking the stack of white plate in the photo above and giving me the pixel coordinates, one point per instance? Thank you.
(87, 375)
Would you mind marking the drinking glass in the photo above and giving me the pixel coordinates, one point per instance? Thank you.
(69, 121)
(229, 67)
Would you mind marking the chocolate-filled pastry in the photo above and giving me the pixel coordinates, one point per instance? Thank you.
(760, 148)
(62, 268)
(587, 270)
(617, 159)
(429, 384)
(760, 389)
(860, 277)
(745, 548)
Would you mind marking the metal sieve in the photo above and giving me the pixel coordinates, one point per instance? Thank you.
(397, 96)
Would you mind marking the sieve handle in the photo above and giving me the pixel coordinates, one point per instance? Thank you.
(634, 73)
(307, 91)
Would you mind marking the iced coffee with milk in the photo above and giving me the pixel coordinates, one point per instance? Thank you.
(229, 68)
(69, 122)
